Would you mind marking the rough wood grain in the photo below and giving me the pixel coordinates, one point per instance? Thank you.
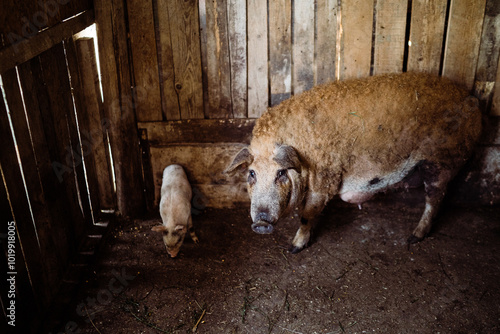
(258, 80)
(426, 35)
(280, 49)
(390, 29)
(184, 30)
(303, 46)
(218, 68)
(32, 47)
(326, 41)
(356, 38)
(145, 60)
(237, 30)
(462, 41)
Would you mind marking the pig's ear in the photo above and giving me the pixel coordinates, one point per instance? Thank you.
(243, 159)
(159, 228)
(180, 228)
(287, 157)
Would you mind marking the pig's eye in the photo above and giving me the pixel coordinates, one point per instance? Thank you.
(281, 174)
(251, 176)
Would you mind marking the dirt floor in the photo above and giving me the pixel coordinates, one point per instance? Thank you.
(358, 276)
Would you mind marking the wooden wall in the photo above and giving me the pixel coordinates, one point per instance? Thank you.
(219, 64)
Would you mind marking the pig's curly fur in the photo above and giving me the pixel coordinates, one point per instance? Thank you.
(355, 127)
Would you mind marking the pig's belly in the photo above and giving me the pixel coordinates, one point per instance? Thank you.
(360, 188)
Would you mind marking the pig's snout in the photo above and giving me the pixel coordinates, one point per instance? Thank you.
(262, 225)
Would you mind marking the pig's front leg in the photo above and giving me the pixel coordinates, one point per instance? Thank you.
(191, 230)
(313, 207)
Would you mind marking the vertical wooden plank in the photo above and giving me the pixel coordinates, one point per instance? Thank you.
(462, 40)
(326, 41)
(390, 29)
(237, 30)
(489, 51)
(145, 60)
(185, 35)
(17, 21)
(258, 80)
(280, 45)
(29, 282)
(169, 99)
(303, 46)
(356, 38)
(51, 266)
(97, 125)
(495, 106)
(218, 69)
(426, 35)
(118, 106)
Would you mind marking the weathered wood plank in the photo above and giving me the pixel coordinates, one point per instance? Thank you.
(426, 35)
(169, 99)
(303, 46)
(29, 48)
(94, 132)
(326, 41)
(199, 131)
(462, 41)
(258, 83)
(145, 60)
(495, 105)
(280, 45)
(113, 58)
(218, 68)
(237, 31)
(390, 30)
(23, 24)
(184, 30)
(356, 38)
(489, 51)
(204, 164)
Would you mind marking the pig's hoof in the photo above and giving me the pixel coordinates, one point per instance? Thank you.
(414, 239)
(294, 249)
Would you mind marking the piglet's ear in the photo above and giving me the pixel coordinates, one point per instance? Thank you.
(180, 228)
(159, 228)
(287, 157)
(243, 159)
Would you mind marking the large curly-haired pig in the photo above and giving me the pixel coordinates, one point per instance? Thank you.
(356, 138)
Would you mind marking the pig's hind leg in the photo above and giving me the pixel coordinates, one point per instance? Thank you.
(435, 180)
(191, 231)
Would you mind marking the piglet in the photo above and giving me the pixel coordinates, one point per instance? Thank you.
(175, 209)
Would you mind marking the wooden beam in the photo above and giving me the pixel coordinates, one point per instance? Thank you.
(29, 48)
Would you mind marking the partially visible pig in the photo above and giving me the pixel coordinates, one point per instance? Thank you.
(354, 139)
(175, 209)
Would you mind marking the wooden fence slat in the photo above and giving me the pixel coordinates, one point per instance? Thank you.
(22, 25)
(303, 46)
(56, 80)
(495, 105)
(29, 48)
(426, 35)
(356, 38)
(489, 51)
(113, 58)
(218, 69)
(390, 30)
(145, 60)
(280, 45)
(185, 34)
(258, 80)
(238, 56)
(169, 99)
(42, 224)
(95, 130)
(326, 41)
(29, 284)
(462, 41)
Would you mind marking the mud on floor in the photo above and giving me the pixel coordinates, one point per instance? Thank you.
(358, 276)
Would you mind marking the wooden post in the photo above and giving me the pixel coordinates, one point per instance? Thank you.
(118, 106)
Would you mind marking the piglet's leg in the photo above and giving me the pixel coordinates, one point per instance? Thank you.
(302, 236)
(191, 231)
(435, 181)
